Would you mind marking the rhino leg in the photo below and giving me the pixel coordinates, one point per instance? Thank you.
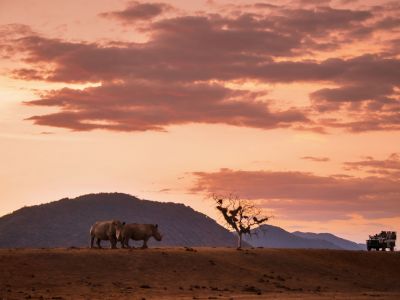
(126, 242)
(98, 242)
(144, 244)
(113, 243)
(91, 241)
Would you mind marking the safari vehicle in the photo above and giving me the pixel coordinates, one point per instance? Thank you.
(386, 239)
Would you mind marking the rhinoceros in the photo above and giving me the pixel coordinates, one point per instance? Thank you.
(137, 232)
(105, 230)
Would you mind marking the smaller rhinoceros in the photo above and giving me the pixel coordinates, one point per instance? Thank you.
(137, 232)
(105, 230)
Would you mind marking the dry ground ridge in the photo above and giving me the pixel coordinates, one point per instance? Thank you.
(200, 273)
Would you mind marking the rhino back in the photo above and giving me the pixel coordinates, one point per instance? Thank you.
(137, 231)
(102, 230)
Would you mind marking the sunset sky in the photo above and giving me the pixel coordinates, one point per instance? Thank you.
(292, 104)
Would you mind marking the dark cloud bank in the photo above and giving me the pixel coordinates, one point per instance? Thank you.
(301, 195)
(178, 75)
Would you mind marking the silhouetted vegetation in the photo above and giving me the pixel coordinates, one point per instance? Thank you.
(240, 214)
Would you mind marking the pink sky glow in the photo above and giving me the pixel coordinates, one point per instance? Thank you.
(292, 104)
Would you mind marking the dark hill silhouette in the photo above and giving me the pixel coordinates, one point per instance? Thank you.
(66, 222)
(269, 236)
(340, 242)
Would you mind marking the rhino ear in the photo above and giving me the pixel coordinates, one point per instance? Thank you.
(156, 226)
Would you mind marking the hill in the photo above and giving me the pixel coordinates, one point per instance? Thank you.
(66, 222)
(340, 242)
(201, 273)
(275, 237)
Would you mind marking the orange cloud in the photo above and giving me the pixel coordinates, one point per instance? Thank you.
(137, 11)
(189, 53)
(300, 195)
(140, 105)
(317, 159)
(388, 167)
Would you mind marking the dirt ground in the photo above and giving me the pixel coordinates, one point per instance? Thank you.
(200, 273)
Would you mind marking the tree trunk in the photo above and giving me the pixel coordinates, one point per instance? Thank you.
(239, 240)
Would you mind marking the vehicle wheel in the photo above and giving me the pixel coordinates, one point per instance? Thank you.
(369, 248)
(377, 249)
(392, 248)
(383, 249)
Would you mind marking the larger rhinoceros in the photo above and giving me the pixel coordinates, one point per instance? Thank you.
(105, 230)
(137, 232)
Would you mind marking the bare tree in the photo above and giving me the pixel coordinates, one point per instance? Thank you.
(240, 214)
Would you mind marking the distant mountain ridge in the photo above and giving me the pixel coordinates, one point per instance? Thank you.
(66, 223)
(269, 236)
(342, 243)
